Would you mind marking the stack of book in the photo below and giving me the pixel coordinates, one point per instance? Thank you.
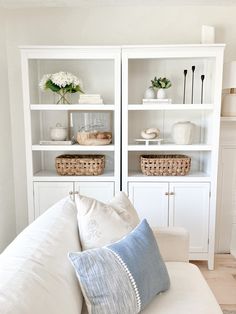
(157, 101)
(51, 142)
(90, 99)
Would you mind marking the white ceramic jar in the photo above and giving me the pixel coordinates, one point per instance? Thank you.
(59, 133)
(182, 132)
(150, 93)
(161, 93)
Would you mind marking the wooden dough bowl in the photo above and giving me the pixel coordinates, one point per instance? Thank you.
(94, 138)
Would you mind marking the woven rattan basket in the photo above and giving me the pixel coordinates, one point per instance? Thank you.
(80, 165)
(165, 165)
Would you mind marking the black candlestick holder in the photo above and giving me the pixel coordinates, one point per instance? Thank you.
(193, 70)
(185, 75)
(202, 85)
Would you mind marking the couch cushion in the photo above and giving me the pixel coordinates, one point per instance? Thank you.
(188, 293)
(122, 277)
(35, 274)
(173, 243)
(101, 224)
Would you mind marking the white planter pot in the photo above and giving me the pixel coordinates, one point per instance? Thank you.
(149, 93)
(161, 93)
(182, 132)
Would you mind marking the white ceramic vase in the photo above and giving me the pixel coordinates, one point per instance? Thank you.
(161, 93)
(149, 93)
(182, 132)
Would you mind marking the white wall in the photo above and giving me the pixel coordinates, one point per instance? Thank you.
(227, 189)
(7, 207)
(100, 25)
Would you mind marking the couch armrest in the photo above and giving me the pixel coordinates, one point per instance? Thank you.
(173, 243)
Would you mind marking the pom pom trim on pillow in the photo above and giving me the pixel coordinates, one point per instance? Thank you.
(133, 282)
(122, 277)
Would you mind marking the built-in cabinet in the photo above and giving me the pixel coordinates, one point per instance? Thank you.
(188, 201)
(151, 202)
(48, 193)
(189, 208)
(99, 73)
(175, 204)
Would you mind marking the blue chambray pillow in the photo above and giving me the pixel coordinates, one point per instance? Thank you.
(122, 277)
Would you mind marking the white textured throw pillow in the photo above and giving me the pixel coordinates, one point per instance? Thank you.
(35, 274)
(101, 224)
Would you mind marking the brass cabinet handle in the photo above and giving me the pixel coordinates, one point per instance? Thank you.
(166, 193)
(73, 193)
(172, 193)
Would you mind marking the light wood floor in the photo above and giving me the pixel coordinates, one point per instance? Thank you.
(222, 280)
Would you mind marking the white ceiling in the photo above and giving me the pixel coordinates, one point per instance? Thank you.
(88, 3)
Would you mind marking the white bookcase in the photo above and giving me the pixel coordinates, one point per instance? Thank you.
(187, 201)
(99, 69)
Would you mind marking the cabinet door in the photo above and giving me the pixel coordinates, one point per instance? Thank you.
(150, 201)
(102, 191)
(48, 193)
(189, 208)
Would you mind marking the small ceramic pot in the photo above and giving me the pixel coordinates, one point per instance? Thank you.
(182, 132)
(161, 93)
(149, 93)
(59, 133)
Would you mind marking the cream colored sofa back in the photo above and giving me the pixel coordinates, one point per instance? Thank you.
(37, 278)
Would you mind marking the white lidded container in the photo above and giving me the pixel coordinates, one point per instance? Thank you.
(59, 133)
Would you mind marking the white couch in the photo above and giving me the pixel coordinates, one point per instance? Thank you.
(37, 278)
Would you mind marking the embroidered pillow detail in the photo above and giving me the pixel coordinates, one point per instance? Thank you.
(102, 224)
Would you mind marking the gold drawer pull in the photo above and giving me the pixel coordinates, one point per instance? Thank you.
(73, 193)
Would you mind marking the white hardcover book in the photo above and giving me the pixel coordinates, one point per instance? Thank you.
(90, 101)
(50, 142)
(90, 96)
(157, 101)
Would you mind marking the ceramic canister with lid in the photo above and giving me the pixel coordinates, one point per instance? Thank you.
(182, 132)
(59, 133)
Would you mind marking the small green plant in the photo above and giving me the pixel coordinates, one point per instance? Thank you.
(160, 83)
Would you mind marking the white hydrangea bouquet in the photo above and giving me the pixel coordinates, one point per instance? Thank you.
(62, 83)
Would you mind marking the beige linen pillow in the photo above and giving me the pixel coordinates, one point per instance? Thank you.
(101, 224)
(35, 274)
